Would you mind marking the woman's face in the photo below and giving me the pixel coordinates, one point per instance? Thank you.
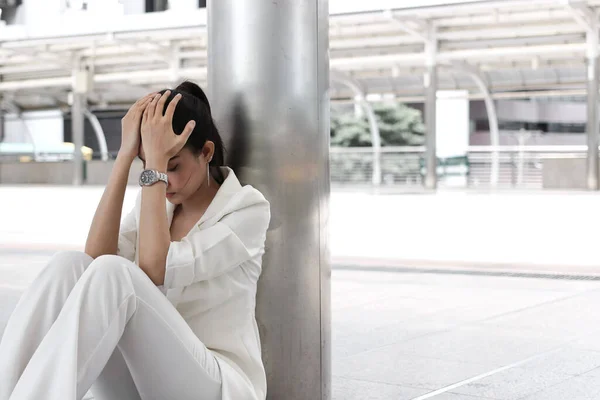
(186, 171)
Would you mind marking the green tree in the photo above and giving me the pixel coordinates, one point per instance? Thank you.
(399, 125)
(347, 130)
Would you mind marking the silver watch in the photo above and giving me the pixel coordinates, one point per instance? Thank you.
(149, 177)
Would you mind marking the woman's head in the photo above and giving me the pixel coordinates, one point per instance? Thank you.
(204, 149)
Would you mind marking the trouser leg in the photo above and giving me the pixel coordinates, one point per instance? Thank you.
(114, 305)
(37, 309)
(34, 314)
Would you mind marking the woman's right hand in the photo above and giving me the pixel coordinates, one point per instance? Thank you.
(130, 127)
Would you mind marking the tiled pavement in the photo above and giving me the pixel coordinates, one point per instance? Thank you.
(414, 335)
(404, 333)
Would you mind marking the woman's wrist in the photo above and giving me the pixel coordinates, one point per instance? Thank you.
(160, 166)
(124, 160)
(157, 162)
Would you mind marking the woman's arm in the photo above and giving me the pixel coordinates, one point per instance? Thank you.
(104, 232)
(154, 234)
(160, 144)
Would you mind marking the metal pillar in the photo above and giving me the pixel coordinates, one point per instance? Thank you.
(2, 133)
(361, 100)
(592, 107)
(100, 136)
(492, 115)
(588, 19)
(268, 74)
(490, 107)
(81, 85)
(427, 32)
(431, 46)
(358, 110)
(175, 64)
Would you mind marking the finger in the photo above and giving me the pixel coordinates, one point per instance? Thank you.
(144, 99)
(135, 106)
(152, 106)
(139, 113)
(160, 106)
(141, 107)
(141, 99)
(148, 97)
(171, 107)
(187, 131)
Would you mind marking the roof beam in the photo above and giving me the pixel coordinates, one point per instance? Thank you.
(519, 52)
(145, 77)
(417, 30)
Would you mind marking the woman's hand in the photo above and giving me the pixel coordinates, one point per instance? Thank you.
(159, 141)
(130, 127)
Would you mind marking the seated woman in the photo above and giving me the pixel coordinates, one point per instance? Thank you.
(162, 307)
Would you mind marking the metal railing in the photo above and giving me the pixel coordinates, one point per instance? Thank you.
(519, 166)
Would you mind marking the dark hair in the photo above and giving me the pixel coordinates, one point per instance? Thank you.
(194, 105)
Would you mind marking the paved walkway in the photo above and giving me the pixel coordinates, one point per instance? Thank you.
(464, 332)
(410, 335)
(464, 337)
(532, 230)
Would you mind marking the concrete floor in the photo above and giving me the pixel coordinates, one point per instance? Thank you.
(464, 337)
(411, 335)
(529, 230)
(406, 333)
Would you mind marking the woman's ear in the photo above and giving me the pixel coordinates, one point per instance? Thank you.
(208, 150)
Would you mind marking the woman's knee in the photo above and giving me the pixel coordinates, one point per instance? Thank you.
(110, 268)
(67, 264)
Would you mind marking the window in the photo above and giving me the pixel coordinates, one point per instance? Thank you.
(156, 5)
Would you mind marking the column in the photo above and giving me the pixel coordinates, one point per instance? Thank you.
(81, 86)
(2, 131)
(592, 105)
(430, 105)
(268, 74)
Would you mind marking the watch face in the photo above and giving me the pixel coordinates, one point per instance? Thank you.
(147, 178)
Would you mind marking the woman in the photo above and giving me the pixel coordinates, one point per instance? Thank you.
(162, 307)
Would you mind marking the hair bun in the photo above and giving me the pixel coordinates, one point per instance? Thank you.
(194, 90)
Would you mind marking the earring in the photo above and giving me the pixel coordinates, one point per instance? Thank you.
(208, 172)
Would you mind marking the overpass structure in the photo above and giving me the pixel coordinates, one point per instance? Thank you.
(492, 48)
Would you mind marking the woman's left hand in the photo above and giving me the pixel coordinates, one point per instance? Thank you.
(158, 139)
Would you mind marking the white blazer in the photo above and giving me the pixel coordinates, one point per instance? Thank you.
(211, 278)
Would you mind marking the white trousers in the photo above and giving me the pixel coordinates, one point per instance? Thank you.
(101, 322)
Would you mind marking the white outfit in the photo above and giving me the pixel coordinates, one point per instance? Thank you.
(104, 322)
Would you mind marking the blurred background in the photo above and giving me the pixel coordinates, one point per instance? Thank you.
(463, 163)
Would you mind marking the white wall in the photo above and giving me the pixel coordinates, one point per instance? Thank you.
(133, 6)
(349, 6)
(41, 127)
(534, 111)
(39, 12)
(452, 123)
(178, 5)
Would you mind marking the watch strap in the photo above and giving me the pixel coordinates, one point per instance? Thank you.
(149, 177)
(162, 177)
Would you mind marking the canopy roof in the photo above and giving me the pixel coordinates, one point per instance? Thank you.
(521, 48)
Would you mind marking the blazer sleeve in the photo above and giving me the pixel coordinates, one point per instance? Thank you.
(216, 250)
